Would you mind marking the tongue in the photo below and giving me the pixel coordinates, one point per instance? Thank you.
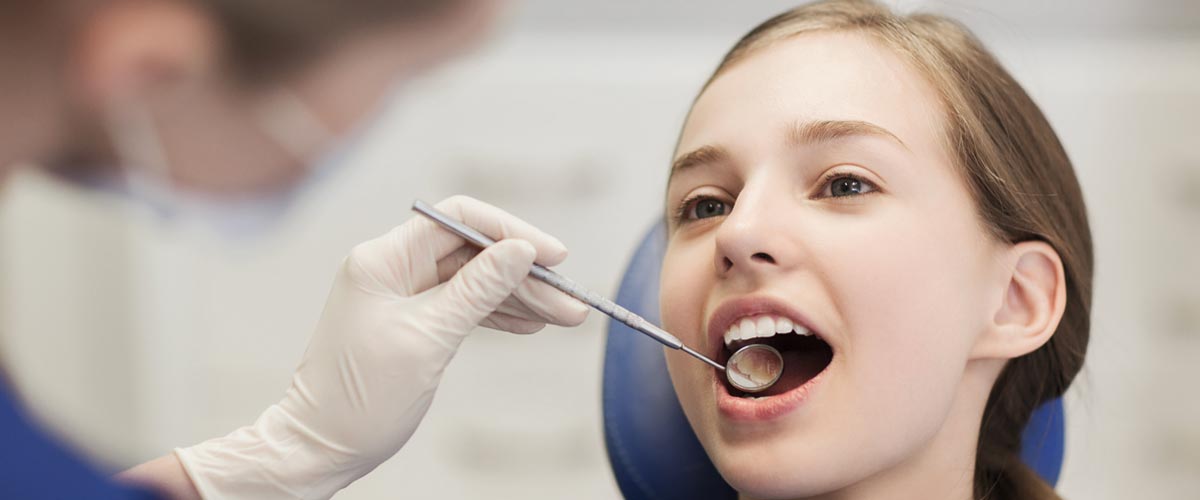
(799, 366)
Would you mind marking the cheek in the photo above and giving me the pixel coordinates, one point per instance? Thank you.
(685, 286)
(909, 291)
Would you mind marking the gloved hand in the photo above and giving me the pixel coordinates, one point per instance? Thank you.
(400, 306)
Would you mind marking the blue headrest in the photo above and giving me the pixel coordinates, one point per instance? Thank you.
(653, 451)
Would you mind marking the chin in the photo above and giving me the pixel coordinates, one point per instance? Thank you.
(777, 471)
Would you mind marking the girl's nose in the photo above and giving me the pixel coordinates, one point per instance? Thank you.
(753, 238)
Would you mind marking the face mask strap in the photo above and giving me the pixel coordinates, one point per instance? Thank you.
(141, 152)
(139, 148)
(136, 139)
(294, 126)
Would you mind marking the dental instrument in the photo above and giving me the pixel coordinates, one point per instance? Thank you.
(754, 368)
(748, 379)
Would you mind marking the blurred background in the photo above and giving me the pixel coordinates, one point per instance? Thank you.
(567, 119)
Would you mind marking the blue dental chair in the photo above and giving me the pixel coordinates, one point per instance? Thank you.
(652, 449)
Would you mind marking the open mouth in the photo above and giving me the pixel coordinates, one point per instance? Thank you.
(805, 354)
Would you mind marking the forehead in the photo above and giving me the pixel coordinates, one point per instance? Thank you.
(816, 76)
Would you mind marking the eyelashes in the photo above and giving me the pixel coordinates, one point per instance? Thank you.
(845, 184)
(839, 186)
(687, 209)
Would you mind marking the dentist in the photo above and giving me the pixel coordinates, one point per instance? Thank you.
(215, 108)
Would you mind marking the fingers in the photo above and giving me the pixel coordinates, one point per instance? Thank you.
(488, 220)
(544, 303)
(453, 262)
(512, 324)
(484, 283)
(423, 241)
(533, 300)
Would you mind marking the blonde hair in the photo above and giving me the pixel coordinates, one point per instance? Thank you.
(1023, 185)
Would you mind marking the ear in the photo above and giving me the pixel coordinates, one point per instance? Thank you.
(133, 48)
(1031, 306)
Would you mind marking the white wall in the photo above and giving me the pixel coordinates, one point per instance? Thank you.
(135, 336)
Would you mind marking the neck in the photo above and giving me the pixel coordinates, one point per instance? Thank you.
(945, 466)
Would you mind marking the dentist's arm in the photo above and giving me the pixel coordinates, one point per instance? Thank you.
(400, 306)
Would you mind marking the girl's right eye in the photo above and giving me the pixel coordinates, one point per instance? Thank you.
(704, 207)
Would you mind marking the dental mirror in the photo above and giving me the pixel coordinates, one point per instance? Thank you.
(754, 368)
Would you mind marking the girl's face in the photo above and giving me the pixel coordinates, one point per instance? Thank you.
(813, 187)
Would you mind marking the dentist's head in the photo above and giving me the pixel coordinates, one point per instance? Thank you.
(226, 99)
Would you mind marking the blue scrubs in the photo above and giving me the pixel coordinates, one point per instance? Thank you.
(34, 465)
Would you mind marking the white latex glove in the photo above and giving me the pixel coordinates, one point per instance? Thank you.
(399, 308)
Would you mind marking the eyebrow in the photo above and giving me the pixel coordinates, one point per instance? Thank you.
(798, 133)
(816, 132)
(700, 156)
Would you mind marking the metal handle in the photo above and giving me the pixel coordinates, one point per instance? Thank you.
(566, 285)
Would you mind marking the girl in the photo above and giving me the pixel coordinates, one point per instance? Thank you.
(875, 196)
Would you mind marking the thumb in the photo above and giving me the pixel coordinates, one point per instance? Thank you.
(486, 281)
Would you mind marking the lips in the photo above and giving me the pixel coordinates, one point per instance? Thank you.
(806, 357)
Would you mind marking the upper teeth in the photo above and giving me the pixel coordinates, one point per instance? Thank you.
(762, 326)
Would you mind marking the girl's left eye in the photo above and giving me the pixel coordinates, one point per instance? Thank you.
(701, 207)
(843, 185)
(704, 208)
